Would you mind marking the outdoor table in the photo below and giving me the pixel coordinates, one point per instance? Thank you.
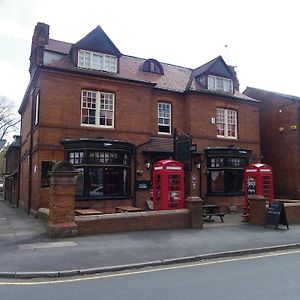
(211, 210)
(85, 211)
(127, 209)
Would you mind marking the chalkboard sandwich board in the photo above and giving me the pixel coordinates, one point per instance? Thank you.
(276, 215)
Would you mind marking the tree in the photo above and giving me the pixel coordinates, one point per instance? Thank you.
(8, 117)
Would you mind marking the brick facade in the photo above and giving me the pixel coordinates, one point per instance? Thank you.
(135, 121)
(280, 139)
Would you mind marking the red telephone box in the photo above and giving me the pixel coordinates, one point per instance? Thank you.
(168, 185)
(258, 180)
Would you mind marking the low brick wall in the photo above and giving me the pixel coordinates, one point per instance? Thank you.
(292, 211)
(258, 211)
(133, 221)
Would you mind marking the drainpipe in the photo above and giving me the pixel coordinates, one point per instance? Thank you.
(134, 186)
(30, 154)
(19, 168)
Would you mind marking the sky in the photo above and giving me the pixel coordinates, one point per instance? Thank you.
(259, 37)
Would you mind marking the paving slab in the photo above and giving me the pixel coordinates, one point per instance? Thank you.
(32, 252)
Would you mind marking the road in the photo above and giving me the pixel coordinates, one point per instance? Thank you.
(267, 276)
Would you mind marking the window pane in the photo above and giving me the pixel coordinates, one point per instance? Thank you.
(95, 178)
(97, 61)
(226, 122)
(88, 107)
(79, 187)
(217, 181)
(164, 117)
(211, 83)
(234, 181)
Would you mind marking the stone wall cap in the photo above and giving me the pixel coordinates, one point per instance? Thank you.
(193, 198)
(62, 166)
(257, 197)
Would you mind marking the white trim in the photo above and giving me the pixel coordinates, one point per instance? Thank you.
(164, 118)
(97, 61)
(98, 109)
(217, 83)
(225, 122)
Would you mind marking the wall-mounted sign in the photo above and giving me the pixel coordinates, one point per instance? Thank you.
(143, 185)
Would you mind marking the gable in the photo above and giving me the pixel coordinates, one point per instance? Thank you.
(216, 67)
(220, 69)
(98, 41)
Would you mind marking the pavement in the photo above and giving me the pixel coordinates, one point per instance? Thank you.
(27, 252)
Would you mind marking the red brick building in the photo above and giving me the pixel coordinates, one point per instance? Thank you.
(12, 157)
(112, 116)
(280, 139)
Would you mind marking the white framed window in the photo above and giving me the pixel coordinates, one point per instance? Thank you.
(164, 117)
(226, 123)
(97, 108)
(36, 108)
(97, 61)
(221, 84)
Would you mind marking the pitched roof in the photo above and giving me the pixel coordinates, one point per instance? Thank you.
(97, 40)
(251, 91)
(175, 78)
(58, 46)
(209, 65)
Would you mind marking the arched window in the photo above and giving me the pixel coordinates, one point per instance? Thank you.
(153, 66)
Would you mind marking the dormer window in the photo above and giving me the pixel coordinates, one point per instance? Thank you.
(97, 61)
(153, 66)
(219, 84)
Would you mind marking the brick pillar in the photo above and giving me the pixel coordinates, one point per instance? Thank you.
(194, 205)
(257, 215)
(62, 200)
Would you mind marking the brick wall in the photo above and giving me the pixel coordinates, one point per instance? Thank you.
(168, 219)
(280, 145)
(135, 122)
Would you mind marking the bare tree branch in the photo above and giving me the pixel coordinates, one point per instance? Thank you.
(8, 117)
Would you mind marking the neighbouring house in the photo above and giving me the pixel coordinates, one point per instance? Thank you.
(280, 139)
(12, 156)
(2, 164)
(113, 116)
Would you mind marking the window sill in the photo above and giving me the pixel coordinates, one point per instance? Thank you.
(226, 138)
(97, 126)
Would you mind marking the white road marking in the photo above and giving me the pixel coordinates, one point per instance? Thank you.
(192, 265)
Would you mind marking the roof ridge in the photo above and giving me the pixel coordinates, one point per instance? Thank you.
(272, 92)
(169, 64)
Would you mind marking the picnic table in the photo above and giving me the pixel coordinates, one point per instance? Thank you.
(212, 210)
(87, 211)
(127, 209)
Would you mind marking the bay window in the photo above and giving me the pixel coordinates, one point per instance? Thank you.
(225, 170)
(104, 167)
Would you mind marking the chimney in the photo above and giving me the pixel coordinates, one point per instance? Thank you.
(39, 39)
